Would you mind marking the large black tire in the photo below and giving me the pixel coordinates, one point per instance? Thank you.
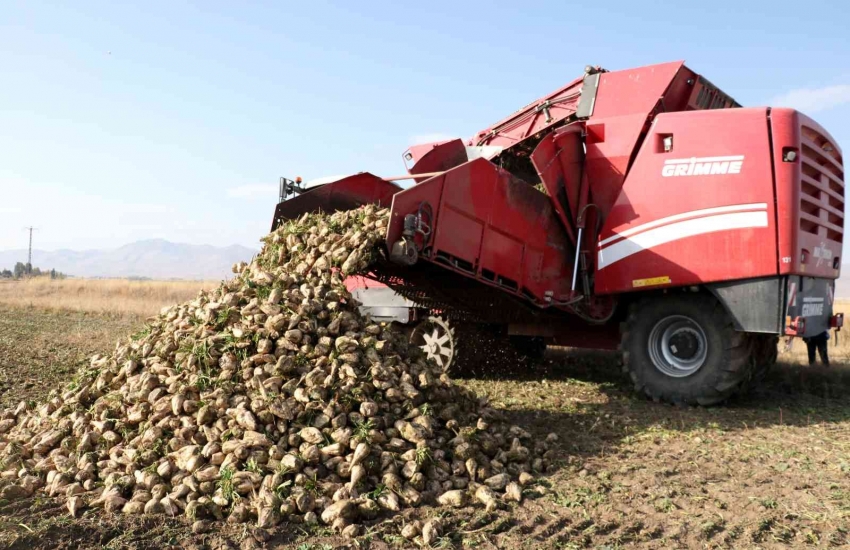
(708, 339)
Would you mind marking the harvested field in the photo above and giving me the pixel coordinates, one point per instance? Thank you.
(41, 349)
(771, 470)
(114, 296)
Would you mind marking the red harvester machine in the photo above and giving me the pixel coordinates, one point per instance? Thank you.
(676, 225)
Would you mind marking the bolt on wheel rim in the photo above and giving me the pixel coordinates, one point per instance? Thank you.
(678, 346)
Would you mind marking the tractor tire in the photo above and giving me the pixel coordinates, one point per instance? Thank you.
(684, 349)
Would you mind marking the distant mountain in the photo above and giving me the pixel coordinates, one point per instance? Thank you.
(154, 258)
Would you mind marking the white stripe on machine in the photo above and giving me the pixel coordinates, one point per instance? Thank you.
(684, 216)
(730, 158)
(679, 230)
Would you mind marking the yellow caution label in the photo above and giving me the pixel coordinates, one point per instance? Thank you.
(637, 283)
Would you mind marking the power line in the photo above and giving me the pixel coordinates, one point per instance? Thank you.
(29, 254)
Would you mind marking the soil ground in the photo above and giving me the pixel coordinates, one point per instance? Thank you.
(769, 470)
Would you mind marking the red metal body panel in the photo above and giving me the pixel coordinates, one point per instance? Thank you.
(621, 113)
(435, 157)
(809, 195)
(559, 160)
(633, 91)
(356, 282)
(492, 227)
(610, 143)
(786, 132)
(532, 118)
(345, 194)
(674, 225)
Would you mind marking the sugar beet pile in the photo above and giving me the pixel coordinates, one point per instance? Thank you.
(270, 399)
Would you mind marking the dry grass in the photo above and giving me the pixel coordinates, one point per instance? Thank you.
(100, 295)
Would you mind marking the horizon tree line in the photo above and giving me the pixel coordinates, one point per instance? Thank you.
(24, 270)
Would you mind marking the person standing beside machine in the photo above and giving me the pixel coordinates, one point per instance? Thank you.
(818, 343)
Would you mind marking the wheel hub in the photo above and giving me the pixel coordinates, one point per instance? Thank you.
(432, 348)
(678, 346)
(434, 338)
(435, 345)
(684, 344)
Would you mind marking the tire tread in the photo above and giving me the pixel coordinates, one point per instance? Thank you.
(734, 376)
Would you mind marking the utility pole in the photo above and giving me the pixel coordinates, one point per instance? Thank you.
(29, 254)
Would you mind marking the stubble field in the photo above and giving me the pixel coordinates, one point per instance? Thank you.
(768, 470)
(114, 296)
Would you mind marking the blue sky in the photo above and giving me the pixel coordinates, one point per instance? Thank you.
(174, 120)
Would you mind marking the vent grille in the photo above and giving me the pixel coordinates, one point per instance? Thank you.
(821, 187)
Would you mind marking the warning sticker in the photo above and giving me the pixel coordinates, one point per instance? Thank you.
(637, 283)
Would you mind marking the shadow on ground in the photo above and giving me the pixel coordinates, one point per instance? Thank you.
(766, 469)
(576, 392)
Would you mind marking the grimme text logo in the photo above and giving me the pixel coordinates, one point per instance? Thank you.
(702, 166)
